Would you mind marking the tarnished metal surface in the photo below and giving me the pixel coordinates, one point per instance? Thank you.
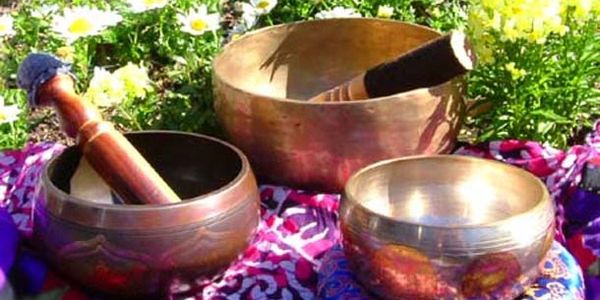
(263, 79)
(135, 249)
(446, 227)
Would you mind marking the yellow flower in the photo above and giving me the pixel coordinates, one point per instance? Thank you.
(65, 53)
(8, 113)
(582, 9)
(262, 7)
(531, 20)
(138, 6)
(135, 80)
(510, 31)
(198, 22)
(83, 21)
(596, 7)
(6, 25)
(492, 21)
(485, 55)
(108, 89)
(105, 89)
(515, 72)
(385, 11)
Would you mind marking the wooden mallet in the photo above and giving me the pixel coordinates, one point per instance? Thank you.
(431, 64)
(48, 81)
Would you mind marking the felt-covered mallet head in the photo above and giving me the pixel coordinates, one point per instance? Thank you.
(48, 81)
(37, 69)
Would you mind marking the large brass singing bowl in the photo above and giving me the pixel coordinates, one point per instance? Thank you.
(263, 79)
(446, 227)
(138, 249)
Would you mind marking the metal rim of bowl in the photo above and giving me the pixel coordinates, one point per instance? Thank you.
(538, 206)
(409, 94)
(498, 240)
(141, 211)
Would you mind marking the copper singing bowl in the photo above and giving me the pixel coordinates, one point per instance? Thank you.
(263, 79)
(446, 227)
(138, 249)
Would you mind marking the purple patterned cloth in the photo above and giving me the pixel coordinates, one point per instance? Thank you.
(561, 278)
(578, 212)
(20, 172)
(8, 250)
(296, 230)
(299, 228)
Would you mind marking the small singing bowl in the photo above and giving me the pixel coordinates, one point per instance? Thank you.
(137, 250)
(262, 82)
(446, 227)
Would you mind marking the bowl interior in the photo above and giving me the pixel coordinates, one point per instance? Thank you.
(299, 60)
(192, 165)
(445, 191)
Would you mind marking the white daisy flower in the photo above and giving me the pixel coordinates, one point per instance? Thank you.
(83, 21)
(8, 113)
(144, 5)
(338, 12)
(262, 7)
(249, 14)
(198, 21)
(45, 11)
(6, 25)
(385, 11)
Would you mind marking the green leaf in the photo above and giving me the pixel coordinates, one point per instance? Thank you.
(544, 127)
(549, 114)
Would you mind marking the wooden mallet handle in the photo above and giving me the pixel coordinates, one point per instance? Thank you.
(48, 82)
(429, 65)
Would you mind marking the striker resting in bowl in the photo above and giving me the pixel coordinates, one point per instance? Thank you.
(136, 249)
(264, 79)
